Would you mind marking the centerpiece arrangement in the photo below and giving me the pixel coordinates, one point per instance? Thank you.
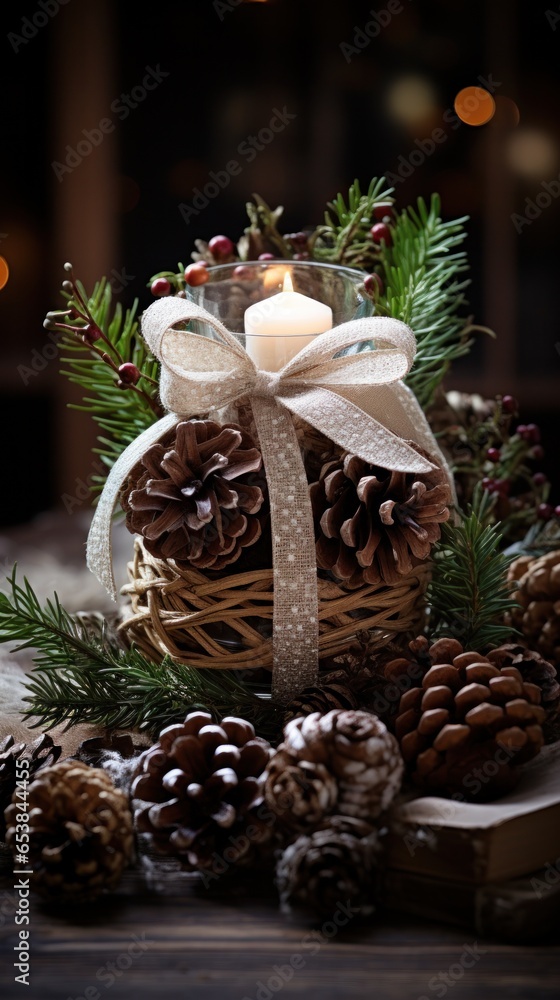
(314, 523)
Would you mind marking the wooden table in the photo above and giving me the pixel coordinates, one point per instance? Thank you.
(175, 940)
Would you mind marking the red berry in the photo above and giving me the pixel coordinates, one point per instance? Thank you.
(522, 431)
(545, 511)
(129, 373)
(380, 233)
(90, 333)
(493, 455)
(296, 239)
(221, 246)
(509, 404)
(503, 486)
(242, 272)
(537, 452)
(539, 479)
(373, 284)
(533, 433)
(489, 484)
(196, 274)
(161, 286)
(557, 510)
(382, 211)
(266, 256)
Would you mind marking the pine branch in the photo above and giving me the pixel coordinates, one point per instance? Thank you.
(469, 593)
(98, 339)
(345, 236)
(81, 675)
(423, 289)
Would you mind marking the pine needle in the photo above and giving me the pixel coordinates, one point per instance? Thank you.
(83, 676)
(469, 593)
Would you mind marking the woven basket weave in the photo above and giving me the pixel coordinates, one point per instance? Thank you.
(226, 623)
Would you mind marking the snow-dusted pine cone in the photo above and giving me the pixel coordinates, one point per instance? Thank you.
(198, 791)
(301, 792)
(355, 748)
(80, 831)
(373, 525)
(464, 724)
(330, 867)
(191, 497)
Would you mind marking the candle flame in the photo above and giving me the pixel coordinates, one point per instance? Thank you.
(288, 285)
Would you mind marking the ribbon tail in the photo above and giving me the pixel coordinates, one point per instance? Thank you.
(353, 429)
(295, 617)
(99, 543)
(424, 434)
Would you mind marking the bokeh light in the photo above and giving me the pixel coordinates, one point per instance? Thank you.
(474, 105)
(507, 113)
(4, 272)
(411, 100)
(532, 152)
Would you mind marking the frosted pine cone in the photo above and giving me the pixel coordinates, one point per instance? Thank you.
(190, 497)
(41, 753)
(373, 525)
(357, 750)
(537, 590)
(333, 865)
(300, 792)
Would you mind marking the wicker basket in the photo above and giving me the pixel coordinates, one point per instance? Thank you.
(225, 623)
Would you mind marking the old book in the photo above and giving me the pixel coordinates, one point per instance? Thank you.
(470, 843)
(524, 909)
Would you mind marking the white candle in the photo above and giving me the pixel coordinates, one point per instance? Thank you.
(278, 327)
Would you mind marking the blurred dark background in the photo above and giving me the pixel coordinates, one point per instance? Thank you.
(107, 196)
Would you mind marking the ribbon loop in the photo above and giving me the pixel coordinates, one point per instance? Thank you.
(356, 400)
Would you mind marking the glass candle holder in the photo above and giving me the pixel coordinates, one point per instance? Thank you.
(232, 289)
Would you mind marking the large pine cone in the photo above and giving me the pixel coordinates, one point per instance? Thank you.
(469, 724)
(80, 832)
(343, 762)
(199, 792)
(192, 497)
(331, 866)
(373, 525)
(41, 753)
(537, 589)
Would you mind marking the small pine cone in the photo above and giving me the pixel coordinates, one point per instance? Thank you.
(191, 497)
(41, 753)
(465, 723)
(537, 590)
(199, 789)
(533, 668)
(335, 864)
(80, 832)
(299, 792)
(358, 750)
(373, 525)
(333, 692)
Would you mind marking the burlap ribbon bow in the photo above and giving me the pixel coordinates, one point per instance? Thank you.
(356, 400)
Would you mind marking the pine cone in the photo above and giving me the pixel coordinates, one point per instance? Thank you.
(80, 832)
(468, 725)
(332, 865)
(41, 753)
(373, 525)
(199, 790)
(190, 496)
(355, 748)
(333, 692)
(537, 590)
(300, 792)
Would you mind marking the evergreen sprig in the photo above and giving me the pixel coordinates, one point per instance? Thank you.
(98, 338)
(469, 592)
(345, 237)
(424, 288)
(83, 676)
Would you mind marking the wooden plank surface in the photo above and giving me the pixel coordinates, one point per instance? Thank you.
(176, 941)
